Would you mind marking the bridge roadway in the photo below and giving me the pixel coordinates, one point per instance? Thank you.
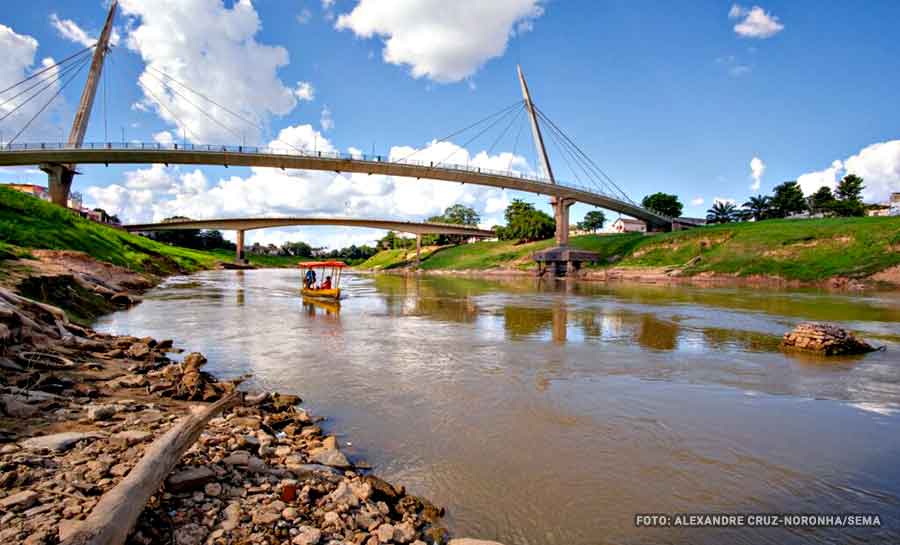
(246, 224)
(242, 156)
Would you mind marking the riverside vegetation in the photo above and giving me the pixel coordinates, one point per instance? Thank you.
(804, 251)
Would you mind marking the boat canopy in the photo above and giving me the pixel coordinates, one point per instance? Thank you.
(322, 264)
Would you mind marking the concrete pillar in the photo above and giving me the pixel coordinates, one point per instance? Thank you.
(59, 183)
(418, 248)
(239, 256)
(561, 215)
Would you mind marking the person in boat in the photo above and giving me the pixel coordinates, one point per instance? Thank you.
(326, 285)
(310, 279)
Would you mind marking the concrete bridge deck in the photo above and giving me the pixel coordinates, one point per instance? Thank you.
(248, 224)
(243, 156)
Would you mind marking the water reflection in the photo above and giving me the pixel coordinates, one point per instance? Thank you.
(551, 412)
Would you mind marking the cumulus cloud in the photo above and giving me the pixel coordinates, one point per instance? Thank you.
(158, 192)
(697, 201)
(754, 22)
(877, 164)
(214, 49)
(69, 30)
(325, 120)
(305, 91)
(443, 41)
(163, 137)
(757, 169)
(18, 63)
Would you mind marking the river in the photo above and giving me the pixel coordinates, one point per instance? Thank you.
(553, 412)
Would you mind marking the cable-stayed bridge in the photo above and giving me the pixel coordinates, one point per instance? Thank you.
(592, 186)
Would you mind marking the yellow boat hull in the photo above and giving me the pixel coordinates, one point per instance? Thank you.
(333, 294)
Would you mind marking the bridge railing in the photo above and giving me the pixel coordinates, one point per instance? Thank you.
(291, 151)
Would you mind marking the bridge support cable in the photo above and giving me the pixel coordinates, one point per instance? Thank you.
(454, 134)
(179, 123)
(587, 160)
(51, 77)
(44, 107)
(46, 82)
(48, 68)
(509, 113)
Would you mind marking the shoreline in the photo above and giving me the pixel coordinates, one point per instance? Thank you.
(885, 280)
(78, 408)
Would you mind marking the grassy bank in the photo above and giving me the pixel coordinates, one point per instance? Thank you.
(804, 250)
(30, 223)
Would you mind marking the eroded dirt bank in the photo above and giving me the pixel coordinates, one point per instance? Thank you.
(79, 408)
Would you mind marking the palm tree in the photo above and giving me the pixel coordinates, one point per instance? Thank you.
(758, 206)
(721, 212)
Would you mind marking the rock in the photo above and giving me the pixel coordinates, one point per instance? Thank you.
(237, 458)
(251, 422)
(15, 408)
(330, 457)
(189, 479)
(213, 489)
(67, 528)
(470, 541)
(132, 381)
(825, 339)
(58, 442)
(19, 501)
(385, 533)
(137, 351)
(332, 519)
(190, 534)
(193, 362)
(404, 532)
(100, 412)
(361, 489)
(304, 471)
(255, 399)
(342, 495)
(307, 535)
(283, 450)
(267, 517)
(289, 513)
(131, 437)
(121, 299)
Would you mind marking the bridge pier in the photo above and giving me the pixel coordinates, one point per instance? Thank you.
(239, 251)
(561, 215)
(418, 248)
(59, 182)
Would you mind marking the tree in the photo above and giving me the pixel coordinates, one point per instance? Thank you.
(850, 188)
(788, 199)
(758, 207)
(722, 212)
(459, 214)
(593, 221)
(524, 223)
(663, 203)
(822, 200)
(849, 197)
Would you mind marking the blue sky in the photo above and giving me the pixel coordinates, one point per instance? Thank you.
(664, 96)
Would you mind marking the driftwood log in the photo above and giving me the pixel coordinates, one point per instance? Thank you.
(117, 512)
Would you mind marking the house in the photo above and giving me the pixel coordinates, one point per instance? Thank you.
(895, 204)
(627, 225)
(889, 208)
(38, 191)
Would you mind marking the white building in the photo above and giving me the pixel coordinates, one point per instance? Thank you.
(628, 225)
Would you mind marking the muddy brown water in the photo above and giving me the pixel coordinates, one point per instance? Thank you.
(554, 412)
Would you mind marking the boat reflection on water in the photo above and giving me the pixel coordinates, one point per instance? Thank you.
(320, 308)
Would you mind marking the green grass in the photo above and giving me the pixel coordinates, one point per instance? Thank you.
(30, 223)
(805, 250)
(392, 259)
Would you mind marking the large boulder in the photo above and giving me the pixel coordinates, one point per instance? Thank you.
(824, 339)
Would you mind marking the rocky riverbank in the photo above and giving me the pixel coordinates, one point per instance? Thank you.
(79, 408)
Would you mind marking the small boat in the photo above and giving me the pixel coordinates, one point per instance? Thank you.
(324, 282)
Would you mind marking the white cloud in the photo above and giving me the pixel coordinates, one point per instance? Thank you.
(214, 50)
(443, 41)
(735, 67)
(163, 137)
(325, 120)
(305, 91)
(158, 192)
(757, 169)
(304, 16)
(877, 164)
(18, 63)
(69, 30)
(697, 201)
(755, 22)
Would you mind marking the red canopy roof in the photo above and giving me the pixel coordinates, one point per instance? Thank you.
(322, 264)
